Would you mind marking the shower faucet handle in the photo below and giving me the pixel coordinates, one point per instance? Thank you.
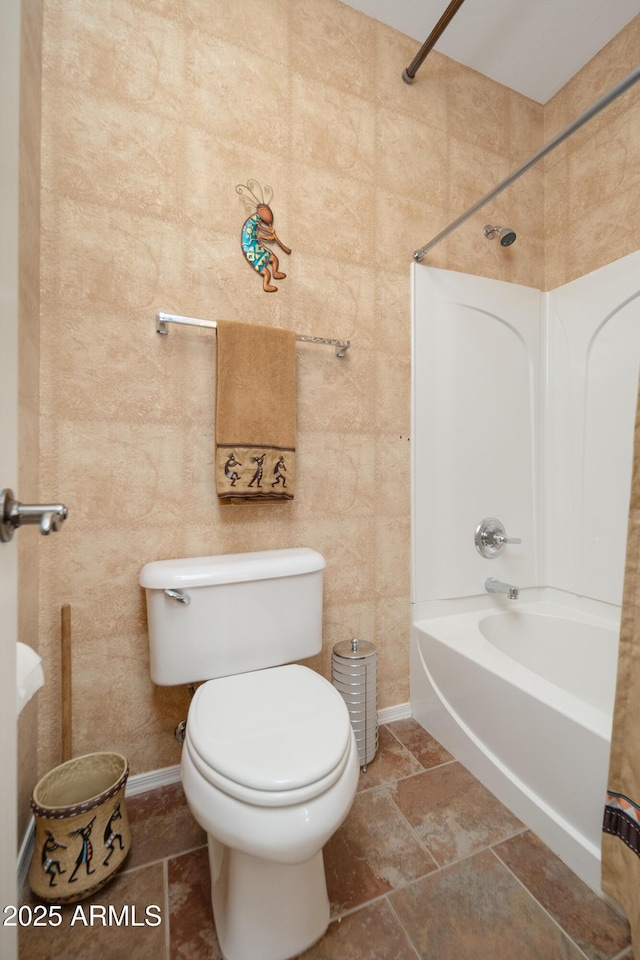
(491, 536)
(500, 540)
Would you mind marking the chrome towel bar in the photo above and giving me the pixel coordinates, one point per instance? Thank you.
(163, 319)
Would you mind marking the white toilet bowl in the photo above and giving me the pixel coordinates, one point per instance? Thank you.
(270, 770)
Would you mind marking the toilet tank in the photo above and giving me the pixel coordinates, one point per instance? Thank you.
(216, 616)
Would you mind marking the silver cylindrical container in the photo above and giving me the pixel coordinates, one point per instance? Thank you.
(355, 675)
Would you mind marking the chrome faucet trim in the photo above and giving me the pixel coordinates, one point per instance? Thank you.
(492, 585)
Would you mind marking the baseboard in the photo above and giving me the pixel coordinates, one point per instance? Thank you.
(153, 779)
(401, 711)
(25, 854)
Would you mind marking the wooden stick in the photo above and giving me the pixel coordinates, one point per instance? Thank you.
(65, 679)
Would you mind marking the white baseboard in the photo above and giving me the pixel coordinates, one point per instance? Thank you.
(401, 711)
(25, 854)
(154, 779)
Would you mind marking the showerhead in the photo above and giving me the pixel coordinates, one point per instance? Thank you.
(506, 234)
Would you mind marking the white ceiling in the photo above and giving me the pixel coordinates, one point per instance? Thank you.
(532, 46)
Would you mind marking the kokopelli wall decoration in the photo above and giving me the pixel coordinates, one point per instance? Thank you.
(258, 230)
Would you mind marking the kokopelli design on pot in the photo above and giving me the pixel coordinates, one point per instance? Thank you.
(49, 865)
(110, 835)
(258, 230)
(86, 851)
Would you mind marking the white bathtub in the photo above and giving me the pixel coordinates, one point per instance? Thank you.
(521, 692)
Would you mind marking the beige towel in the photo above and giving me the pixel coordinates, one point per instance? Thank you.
(255, 413)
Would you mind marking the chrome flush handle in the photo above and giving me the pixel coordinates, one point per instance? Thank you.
(178, 595)
(49, 516)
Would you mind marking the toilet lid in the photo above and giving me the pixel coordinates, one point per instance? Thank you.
(271, 730)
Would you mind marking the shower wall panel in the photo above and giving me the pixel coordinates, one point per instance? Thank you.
(523, 409)
(475, 380)
(593, 337)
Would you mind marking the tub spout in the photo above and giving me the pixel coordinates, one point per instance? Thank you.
(492, 585)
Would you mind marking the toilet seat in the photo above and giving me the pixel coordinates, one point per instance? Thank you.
(272, 737)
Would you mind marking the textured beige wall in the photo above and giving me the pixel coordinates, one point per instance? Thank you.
(592, 181)
(152, 113)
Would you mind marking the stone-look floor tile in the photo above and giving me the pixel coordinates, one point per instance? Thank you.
(452, 813)
(597, 929)
(391, 762)
(425, 748)
(372, 933)
(124, 919)
(374, 851)
(491, 904)
(161, 826)
(476, 908)
(193, 935)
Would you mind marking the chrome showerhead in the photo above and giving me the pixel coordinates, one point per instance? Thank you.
(506, 235)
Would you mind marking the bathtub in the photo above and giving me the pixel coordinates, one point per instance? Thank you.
(521, 692)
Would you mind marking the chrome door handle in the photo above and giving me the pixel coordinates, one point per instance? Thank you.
(48, 516)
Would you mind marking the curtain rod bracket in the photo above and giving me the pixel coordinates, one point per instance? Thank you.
(409, 73)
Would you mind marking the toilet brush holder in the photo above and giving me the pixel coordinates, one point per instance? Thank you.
(82, 835)
(354, 675)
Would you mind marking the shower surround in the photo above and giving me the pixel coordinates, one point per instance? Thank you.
(523, 409)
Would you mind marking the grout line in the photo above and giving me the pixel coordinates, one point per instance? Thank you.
(555, 922)
(382, 896)
(387, 727)
(435, 766)
(360, 906)
(418, 773)
(151, 863)
(418, 840)
(477, 850)
(405, 750)
(413, 946)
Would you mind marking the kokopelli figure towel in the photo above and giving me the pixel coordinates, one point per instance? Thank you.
(255, 413)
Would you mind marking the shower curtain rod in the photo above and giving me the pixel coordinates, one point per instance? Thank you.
(595, 108)
(409, 73)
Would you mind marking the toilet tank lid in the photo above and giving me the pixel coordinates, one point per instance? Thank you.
(230, 568)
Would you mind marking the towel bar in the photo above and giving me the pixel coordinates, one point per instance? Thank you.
(163, 319)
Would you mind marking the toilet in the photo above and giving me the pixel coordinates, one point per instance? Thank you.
(269, 761)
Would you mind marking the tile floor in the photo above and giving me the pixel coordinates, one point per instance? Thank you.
(427, 866)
